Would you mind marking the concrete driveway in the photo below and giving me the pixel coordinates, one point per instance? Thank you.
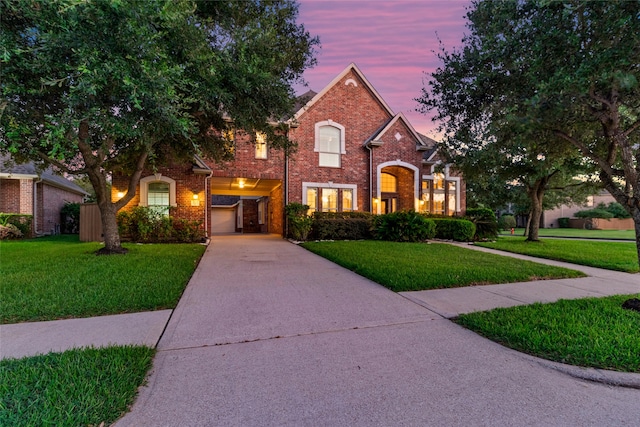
(268, 334)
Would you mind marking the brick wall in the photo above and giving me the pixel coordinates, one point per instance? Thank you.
(50, 202)
(353, 107)
(187, 184)
(10, 195)
(275, 209)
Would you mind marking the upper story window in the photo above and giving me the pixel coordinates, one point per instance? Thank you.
(330, 143)
(261, 146)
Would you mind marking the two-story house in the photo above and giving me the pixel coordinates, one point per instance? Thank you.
(353, 154)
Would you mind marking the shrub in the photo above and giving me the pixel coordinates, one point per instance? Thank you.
(485, 222)
(9, 231)
(22, 222)
(594, 213)
(563, 222)
(404, 226)
(342, 225)
(616, 209)
(144, 224)
(70, 218)
(298, 222)
(458, 229)
(506, 222)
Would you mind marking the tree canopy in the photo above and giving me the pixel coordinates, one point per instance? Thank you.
(94, 87)
(557, 78)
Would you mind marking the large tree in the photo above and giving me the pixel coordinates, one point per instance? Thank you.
(97, 86)
(566, 70)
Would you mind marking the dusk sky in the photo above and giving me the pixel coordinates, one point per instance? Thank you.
(392, 42)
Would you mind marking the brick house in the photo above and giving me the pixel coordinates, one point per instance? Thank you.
(25, 190)
(353, 154)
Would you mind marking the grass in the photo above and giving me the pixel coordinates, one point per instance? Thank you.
(620, 256)
(59, 277)
(593, 332)
(579, 233)
(418, 266)
(76, 388)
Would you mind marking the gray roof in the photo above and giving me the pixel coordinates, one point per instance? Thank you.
(9, 169)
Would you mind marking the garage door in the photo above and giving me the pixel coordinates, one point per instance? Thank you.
(223, 220)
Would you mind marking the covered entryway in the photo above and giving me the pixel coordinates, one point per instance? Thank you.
(397, 187)
(246, 205)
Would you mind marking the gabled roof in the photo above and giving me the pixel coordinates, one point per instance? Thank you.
(423, 141)
(11, 170)
(352, 67)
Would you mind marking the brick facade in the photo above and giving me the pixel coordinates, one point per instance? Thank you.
(375, 140)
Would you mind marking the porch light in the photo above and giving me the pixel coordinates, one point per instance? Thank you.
(375, 200)
(195, 196)
(241, 184)
(120, 194)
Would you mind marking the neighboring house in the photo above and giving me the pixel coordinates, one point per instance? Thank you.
(25, 190)
(550, 217)
(353, 154)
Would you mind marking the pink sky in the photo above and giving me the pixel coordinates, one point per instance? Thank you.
(392, 42)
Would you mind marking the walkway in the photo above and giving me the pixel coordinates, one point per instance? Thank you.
(269, 334)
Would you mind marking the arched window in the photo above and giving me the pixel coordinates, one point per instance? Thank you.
(158, 192)
(330, 143)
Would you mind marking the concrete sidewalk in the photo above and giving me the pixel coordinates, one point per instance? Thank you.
(269, 334)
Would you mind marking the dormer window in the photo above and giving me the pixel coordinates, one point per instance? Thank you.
(330, 144)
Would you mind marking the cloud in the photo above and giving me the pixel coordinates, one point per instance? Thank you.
(393, 42)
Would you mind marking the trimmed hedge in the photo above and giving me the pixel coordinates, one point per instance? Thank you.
(403, 226)
(458, 229)
(342, 225)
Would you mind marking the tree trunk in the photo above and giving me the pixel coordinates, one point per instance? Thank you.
(112, 244)
(536, 195)
(636, 219)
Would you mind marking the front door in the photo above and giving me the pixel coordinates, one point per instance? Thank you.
(389, 204)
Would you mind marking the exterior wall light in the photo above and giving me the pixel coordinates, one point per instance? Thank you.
(120, 194)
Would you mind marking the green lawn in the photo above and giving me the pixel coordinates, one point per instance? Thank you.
(576, 232)
(59, 277)
(594, 332)
(620, 256)
(418, 266)
(75, 388)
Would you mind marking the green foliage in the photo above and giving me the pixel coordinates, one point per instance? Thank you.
(485, 222)
(70, 218)
(506, 222)
(419, 266)
(16, 225)
(458, 229)
(144, 224)
(594, 213)
(403, 226)
(299, 223)
(98, 87)
(594, 332)
(563, 222)
(616, 209)
(342, 225)
(58, 277)
(80, 387)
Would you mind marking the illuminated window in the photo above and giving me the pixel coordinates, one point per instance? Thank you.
(329, 200)
(388, 183)
(440, 195)
(158, 193)
(261, 146)
(337, 198)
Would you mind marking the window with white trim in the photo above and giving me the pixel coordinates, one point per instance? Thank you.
(329, 143)
(329, 197)
(158, 193)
